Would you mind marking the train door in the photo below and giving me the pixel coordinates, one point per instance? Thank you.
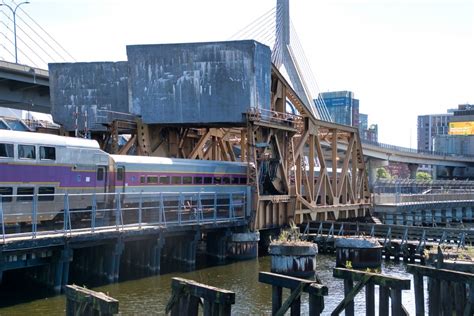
(120, 179)
(101, 179)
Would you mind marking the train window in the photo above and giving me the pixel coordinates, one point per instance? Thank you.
(207, 180)
(6, 191)
(142, 179)
(45, 194)
(234, 180)
(47, 153)
(120, 172)
(26, 152)
(175, 180)
(6, 150)
(243, 180)
(151, 179)
(226, 180)
(164, 180)
(187, 180)
(217, 180)
(100, 173)
(28, 192)
(197, 180)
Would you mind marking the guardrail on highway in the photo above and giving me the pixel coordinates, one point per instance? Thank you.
(412, 150)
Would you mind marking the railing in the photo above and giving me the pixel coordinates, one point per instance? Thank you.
(36, 214)
(292, 120)
(414, 151)
(411, 199)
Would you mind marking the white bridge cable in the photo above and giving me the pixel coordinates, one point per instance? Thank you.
(6, 49)
(46, 33)
(37, 44)
(251, 27)
(308, 74)
(267, 29)
(277, 55)
(20, 40)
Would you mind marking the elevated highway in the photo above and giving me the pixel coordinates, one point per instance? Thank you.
(23, 87)
(414, 156)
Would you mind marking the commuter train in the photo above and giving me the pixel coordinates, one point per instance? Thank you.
(49, 166)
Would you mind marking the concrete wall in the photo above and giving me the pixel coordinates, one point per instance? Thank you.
(198, 83)
(96, 88)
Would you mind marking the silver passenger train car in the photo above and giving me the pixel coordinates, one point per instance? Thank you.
(38, 169)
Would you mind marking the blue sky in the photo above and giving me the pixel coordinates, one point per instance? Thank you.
(401, 58)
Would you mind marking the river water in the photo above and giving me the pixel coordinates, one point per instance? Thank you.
(149, 295)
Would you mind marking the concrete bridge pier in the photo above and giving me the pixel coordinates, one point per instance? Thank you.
(413, 167)
(373, 164)
(243, 245)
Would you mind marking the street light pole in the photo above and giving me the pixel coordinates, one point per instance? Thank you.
(14, 23)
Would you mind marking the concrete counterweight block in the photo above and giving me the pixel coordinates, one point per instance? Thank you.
(295, 259)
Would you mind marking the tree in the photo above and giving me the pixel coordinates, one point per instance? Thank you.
(421, 175)
(382, 173)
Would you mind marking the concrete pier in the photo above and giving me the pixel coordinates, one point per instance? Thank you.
(294, 259)
(243, 245)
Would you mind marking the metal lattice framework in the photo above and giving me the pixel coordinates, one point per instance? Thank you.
(299, 167)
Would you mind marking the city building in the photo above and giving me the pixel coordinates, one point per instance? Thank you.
(344, 109)
(342, 106)
(460, 136)
(430, 126)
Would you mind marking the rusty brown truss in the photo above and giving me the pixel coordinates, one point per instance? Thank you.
(281, 149)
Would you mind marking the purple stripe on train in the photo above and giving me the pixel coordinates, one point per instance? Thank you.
(37, 173)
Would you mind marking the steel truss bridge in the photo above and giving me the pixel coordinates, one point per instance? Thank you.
(300, 167)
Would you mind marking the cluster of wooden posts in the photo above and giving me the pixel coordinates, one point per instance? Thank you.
(449, 292)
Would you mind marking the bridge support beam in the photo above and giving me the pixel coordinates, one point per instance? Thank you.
(373, 165)
(111, 261)
(216, 244)
(413, 167)
(60, 266)
(155, 255)
(184, 250)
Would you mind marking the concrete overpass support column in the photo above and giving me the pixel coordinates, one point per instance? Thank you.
(373, 165)
(449, 172)
(413, 167)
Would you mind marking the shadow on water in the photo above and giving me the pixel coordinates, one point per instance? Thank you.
(149, 295)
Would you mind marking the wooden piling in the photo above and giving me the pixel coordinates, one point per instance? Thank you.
(297, 286)
(369, 300)
(82, 301)
(186, 295)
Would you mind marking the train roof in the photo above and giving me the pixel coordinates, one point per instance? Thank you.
(173, 161)
(46, 139)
